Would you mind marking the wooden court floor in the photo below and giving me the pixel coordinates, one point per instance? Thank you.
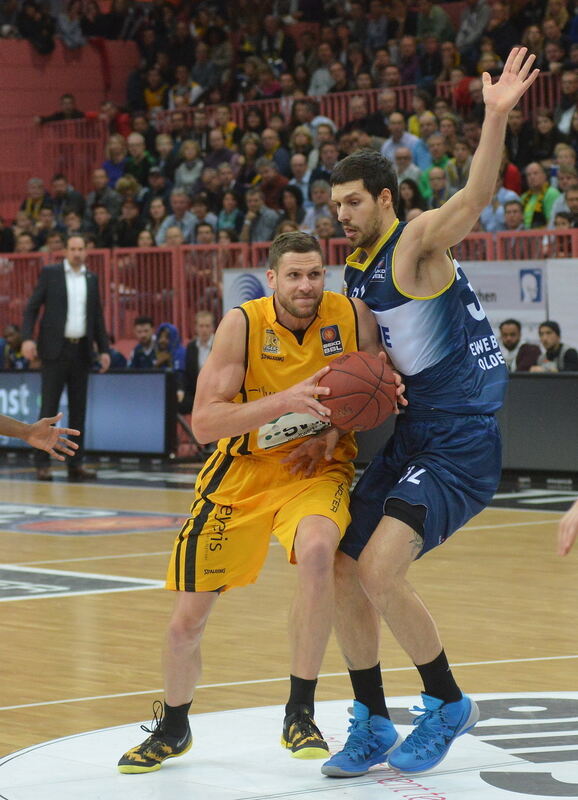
(506, 605)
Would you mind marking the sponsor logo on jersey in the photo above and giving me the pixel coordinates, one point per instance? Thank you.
(272, 344)
(331, 340)
(379, 273)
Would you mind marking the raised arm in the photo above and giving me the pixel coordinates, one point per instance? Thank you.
(437, 230)
(215, 416)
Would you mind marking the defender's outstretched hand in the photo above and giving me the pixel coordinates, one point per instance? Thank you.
(514, 81)
(45, 436)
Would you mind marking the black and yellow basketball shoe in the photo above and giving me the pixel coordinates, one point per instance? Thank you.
(302, 736)
(148, 756)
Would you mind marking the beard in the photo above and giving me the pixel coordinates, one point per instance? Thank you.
(299, 312)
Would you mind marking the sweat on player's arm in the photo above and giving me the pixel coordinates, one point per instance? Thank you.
(216, 416)
(435, 231)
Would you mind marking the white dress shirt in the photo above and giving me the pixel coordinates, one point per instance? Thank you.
(204, 350)
(75, 327)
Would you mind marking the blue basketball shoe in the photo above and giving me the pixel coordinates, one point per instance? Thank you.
(370, 739)
(435, 730)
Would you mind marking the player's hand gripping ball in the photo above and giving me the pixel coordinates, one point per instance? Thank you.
(363, 391)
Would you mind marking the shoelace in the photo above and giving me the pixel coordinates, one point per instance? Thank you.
(361, 741)
(306, 729)
(430, 729)
(158, 713)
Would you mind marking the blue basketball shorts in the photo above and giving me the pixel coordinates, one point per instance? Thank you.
(449, 464)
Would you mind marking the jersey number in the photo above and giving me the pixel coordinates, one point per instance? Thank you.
(411, 476)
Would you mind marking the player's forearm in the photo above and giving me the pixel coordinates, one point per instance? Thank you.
(481, 184)
(220, 420)
(13, 427)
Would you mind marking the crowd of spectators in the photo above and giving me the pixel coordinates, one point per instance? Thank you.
(199, 178)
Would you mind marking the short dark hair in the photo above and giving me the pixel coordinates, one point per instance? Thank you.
(292, 242)
(374, 170)
(549, 323)
(144, 321)
(513, 203)
(203, 225)
(511, 322)
(76, 235)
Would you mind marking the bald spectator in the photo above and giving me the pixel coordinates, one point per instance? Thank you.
(181, 218)
(432, 19)
(301, 177)
(399, 137)
(271, 183)
(102, 194)
(404, 166)
(428, 124)
(321, 80)
(540, 197)
(501, 32)
(260, 222)
(274, 151)
(408, 63)
(139, 160)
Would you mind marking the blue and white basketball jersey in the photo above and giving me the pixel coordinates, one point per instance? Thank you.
(443, 345)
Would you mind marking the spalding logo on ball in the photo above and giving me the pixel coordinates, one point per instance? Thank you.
(363, 391)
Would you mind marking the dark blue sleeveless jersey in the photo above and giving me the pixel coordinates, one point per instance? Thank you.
(443, 345)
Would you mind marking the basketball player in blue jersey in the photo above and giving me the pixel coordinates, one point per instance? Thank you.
(442, 465)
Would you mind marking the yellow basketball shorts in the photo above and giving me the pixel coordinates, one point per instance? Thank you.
(239, 502)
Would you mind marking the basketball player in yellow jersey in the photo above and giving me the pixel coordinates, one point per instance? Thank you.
(258, 394)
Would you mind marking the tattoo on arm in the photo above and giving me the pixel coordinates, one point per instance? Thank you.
(416, 543)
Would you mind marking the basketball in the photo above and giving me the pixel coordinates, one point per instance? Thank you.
(363, 391)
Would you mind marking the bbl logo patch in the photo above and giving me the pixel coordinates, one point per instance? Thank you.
(331, 340)
(271, 345)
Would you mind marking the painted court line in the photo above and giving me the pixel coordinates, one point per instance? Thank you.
(278, 680)
(274, 543)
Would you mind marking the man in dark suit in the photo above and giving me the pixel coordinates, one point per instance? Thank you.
(71, 322)
(197, 352)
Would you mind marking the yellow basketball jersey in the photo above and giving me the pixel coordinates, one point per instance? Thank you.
(277, 358)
